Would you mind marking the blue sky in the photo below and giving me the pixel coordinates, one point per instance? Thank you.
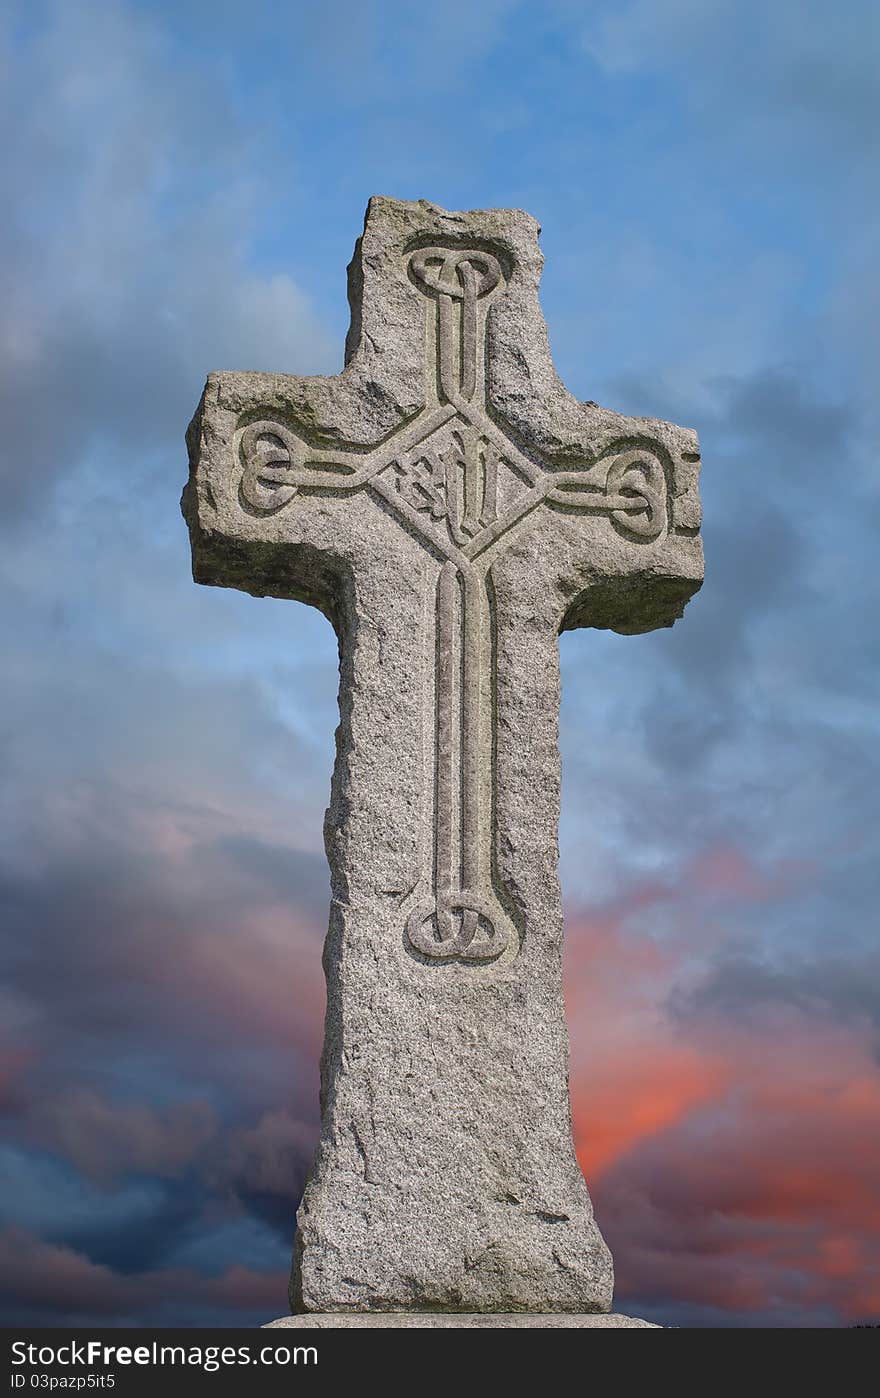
(186, 183)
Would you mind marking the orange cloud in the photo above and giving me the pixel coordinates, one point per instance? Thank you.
(734, 1158)
(630, 1100)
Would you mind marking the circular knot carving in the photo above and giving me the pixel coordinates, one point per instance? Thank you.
(460, 925)
(636, 478)
(459, 273)
(270, 455)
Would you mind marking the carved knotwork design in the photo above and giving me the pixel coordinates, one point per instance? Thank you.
(440, 474)
(633, 492)
(421, 482)
(270, 453)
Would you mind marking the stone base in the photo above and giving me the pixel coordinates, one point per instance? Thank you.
(450, 1320)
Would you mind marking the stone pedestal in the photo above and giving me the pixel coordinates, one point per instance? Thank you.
(436, 1320)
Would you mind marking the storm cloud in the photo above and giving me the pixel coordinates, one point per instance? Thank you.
(187, 189)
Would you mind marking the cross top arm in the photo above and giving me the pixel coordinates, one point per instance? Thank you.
(448, 394)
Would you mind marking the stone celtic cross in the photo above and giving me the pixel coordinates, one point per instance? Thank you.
(451, 508)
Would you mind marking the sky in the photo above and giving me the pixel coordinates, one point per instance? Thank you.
(185, 182)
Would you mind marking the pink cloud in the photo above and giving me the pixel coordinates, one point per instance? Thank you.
(734, 1162)
(51, 1278)
(106, 1139)
(15, 1059)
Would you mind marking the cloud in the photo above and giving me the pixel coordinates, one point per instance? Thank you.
(164, 994)
(729, 1133)
(751, 723)
(14, 1061)
(795, 61)
(163, 888)
(118, 308)
(745, 985)
(112, 960)
(748, 1202)
(103, 1140)
(166, 749)
(42, 1279)
(265, 1167)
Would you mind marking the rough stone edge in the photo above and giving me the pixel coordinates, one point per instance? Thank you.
(430, 1320)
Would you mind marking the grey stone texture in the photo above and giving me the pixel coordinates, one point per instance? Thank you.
(446, 1320)
(451, 508)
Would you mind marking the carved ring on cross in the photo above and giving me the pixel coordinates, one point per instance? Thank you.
(270, 453)
(460, 273)
(635, 491)
(453, 276)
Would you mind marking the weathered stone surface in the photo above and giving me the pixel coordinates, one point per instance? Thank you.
(422, 1320)
(451, 508)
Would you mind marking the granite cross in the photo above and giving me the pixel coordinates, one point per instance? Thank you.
(451, 509)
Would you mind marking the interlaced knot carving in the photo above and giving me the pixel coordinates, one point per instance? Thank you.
(452, 276)
(440, 473)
